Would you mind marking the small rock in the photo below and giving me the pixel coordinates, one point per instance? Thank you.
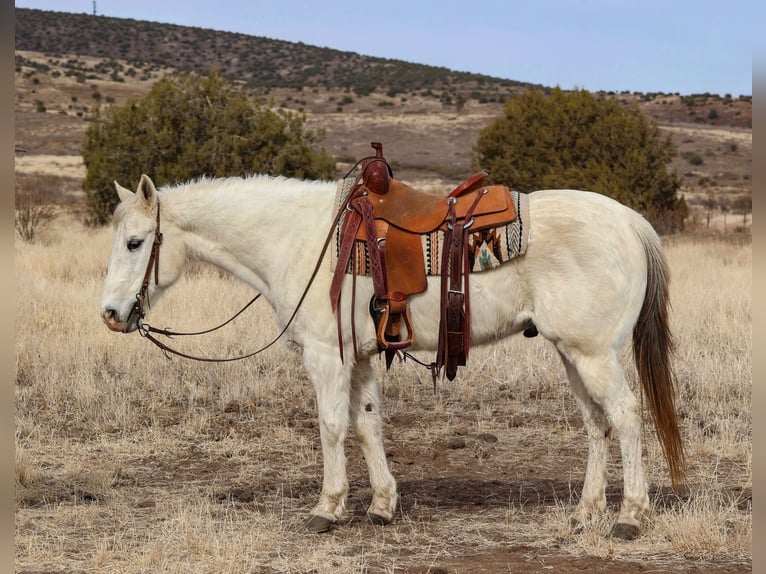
(456, 443)
(243, 494)
(515, 421)
(487, 437)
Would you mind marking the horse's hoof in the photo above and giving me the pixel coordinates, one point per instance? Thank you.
(318, 524)
(624, 531)
(377, 519)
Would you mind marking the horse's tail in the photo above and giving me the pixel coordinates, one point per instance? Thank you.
(653, 346)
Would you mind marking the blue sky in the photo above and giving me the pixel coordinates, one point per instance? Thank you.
(647, 46)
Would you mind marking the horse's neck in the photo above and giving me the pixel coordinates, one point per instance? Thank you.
(257, 229)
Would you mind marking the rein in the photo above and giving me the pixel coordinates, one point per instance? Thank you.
(146, 330)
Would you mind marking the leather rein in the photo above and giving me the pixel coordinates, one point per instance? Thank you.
(142, 297)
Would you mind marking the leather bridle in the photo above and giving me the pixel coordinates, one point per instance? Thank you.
(142, 297)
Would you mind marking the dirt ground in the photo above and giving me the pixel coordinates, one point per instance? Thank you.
(486, 492)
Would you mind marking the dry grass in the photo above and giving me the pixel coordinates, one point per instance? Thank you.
(128, 462)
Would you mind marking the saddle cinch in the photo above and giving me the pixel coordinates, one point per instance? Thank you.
(390, 216)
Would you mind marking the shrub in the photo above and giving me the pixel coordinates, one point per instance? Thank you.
(187, 127)
(34, 207)
(576, 140)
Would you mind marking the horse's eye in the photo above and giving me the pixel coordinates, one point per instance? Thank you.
(134, 244)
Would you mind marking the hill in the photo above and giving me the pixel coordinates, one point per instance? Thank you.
(252, 60)
(427, 117)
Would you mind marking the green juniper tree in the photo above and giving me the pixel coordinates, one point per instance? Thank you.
(576, 140)
(189, 126)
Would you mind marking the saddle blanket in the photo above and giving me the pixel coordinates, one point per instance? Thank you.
(487, 249)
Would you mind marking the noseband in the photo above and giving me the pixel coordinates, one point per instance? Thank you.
(142, 297)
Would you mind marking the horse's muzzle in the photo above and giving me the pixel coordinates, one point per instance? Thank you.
(109, 317)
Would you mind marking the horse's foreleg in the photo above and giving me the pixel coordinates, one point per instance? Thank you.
(604, 381)
(593, 498)
(331, 381)
(366, 421)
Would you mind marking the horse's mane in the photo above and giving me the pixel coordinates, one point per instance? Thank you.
(255, 182)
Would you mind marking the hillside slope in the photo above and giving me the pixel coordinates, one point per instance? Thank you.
(253, 60)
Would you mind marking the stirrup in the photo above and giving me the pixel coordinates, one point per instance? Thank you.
(383, 318)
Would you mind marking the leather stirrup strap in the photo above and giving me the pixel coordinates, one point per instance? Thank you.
(350, 226)
(359, 213)
(377, 265)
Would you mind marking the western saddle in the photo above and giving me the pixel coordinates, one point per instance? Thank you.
(390, 216)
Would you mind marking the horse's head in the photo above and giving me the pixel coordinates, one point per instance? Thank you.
(134, 279)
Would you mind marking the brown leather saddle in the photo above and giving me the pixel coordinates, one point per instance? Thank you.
(390, 216)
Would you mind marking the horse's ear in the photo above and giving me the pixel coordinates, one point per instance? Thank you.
(123, 192)
(146, 190)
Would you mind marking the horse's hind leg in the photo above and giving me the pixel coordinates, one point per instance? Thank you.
(604, 381)
(368, 427)
(593, 498)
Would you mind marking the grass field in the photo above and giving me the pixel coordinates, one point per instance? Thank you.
(128, 462)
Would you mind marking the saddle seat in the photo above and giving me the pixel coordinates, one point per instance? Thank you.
(421, 212)
(398, 215)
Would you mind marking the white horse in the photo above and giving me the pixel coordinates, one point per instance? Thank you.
(593, 273)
